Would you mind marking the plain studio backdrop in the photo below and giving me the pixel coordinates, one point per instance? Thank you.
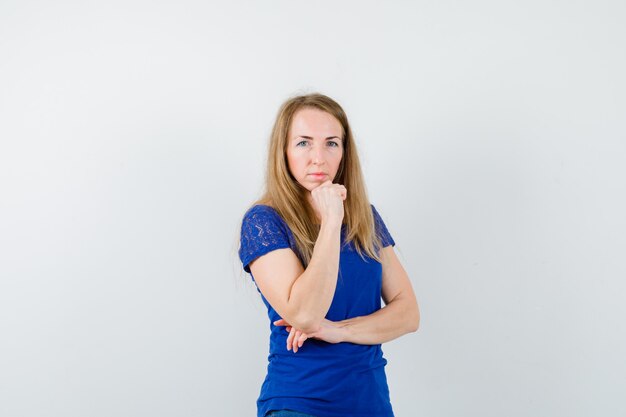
(134, 136)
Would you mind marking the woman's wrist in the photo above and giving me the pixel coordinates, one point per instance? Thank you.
(331, 224)
(345, 330)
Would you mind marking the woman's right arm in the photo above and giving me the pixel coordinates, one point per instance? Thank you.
(301, 297)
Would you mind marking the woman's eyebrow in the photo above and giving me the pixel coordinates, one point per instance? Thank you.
(309, 137)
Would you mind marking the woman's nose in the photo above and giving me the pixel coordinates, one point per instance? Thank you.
(318, 155)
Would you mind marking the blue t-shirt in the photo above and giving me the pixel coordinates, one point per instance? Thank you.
(324, 379)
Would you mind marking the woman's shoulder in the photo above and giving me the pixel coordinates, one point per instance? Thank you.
(375, 211)
(381, 228)
(262, 213)
(261, 208)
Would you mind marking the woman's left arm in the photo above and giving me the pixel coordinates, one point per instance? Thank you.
(399, 316)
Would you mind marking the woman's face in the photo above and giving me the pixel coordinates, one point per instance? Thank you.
(314, 146)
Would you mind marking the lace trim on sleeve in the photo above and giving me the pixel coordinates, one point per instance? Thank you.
(262, 231)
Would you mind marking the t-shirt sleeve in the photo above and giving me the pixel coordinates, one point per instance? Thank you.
(381, 229)
(262, 231)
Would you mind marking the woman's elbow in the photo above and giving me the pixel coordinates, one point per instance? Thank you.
(415, 320)
(416, 325)
(307, 324)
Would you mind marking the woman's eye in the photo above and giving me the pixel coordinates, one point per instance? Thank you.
(333, 144)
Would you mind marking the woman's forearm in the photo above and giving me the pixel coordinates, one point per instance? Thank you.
(313, 291)
(397, 318)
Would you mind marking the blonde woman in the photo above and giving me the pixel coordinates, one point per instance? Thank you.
(321, 258)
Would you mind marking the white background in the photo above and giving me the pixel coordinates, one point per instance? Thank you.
(133, 138)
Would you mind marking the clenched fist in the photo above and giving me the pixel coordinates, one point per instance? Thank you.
(327, 201)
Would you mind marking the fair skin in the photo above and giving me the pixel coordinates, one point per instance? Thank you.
(314, 145)
(399, 316)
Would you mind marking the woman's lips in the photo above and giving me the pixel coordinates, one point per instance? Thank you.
(317, 176)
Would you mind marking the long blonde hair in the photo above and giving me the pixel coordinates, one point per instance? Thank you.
(283, 193)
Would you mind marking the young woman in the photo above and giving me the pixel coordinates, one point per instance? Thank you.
(321, 258)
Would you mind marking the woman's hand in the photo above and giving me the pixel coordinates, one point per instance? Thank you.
(328, 331)
(327, 200)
